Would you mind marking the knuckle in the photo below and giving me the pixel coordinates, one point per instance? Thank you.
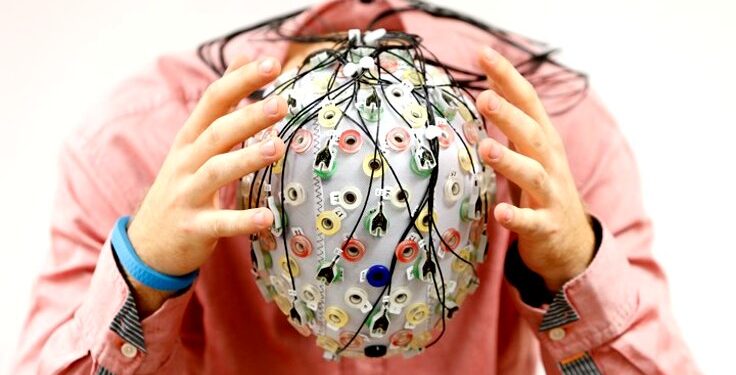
(214, 91)
(538, 177)
(504, 69)
(213, 136)
(246, 163)
(187, 227)
(527, 93)
(181, 193)
(211, 172)
(555, 140)
(538, 141)
(217, 228)
(537, 229)
(247, 114)
(223, 227)
(175, 162)
(242, 121)
(554, 229)
(503, 109)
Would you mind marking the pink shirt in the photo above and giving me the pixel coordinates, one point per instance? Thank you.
(621, 313)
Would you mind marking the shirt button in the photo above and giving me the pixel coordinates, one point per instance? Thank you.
(128, 350)
(556, 334)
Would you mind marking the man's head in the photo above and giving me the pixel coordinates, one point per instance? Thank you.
(380, 201)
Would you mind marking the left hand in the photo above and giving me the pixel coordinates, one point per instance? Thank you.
(556, 239)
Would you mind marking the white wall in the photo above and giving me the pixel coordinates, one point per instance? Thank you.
(663, 67)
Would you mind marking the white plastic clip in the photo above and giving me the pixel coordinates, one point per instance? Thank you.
(367, 306)
(432, 132)
(354, 35)
(475, 190)
(366, 62)
(276, 226)
(329, 356)
(349, 69)
(422, 244)
(394, 309)
(371, 37)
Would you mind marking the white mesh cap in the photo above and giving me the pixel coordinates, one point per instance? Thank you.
(380, 202)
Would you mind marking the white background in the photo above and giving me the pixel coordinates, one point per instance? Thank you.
(664, 68)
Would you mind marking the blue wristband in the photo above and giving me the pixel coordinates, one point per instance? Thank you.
(139, 270)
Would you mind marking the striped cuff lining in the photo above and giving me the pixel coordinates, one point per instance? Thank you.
(581, 365)
(559, 313)
(127, 324)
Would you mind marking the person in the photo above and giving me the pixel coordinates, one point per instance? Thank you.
(569, 275)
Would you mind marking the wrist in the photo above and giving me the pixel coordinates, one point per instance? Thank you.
(137, 269)
(146, 246)
(581, 253)
(147, 299)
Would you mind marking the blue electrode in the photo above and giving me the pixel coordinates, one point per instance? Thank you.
(378, 276)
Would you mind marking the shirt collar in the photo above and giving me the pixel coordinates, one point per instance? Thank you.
(326, 17)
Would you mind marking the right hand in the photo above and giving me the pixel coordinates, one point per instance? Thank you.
(179, 221)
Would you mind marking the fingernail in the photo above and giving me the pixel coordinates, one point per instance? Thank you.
(490, 55)
(268, 148)
(493, 101)
(271, 106)
(507, 215)
(261, 218)
(494, 151)
(266, 65)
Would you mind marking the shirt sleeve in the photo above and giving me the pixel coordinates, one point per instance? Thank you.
(615, 317)
(83, 317)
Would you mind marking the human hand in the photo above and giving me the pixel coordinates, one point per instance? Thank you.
(179, 221)
(556, 239)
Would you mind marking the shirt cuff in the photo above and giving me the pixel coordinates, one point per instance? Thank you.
(589, 310)
(108, 319)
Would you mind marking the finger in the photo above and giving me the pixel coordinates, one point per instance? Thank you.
(514, 87)
(514, 190)
(236, 126)
(228, 223)
(224, 93)
(522, 130)
(524, 221)
(230, 166)
(238, 62)
(522, 170)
